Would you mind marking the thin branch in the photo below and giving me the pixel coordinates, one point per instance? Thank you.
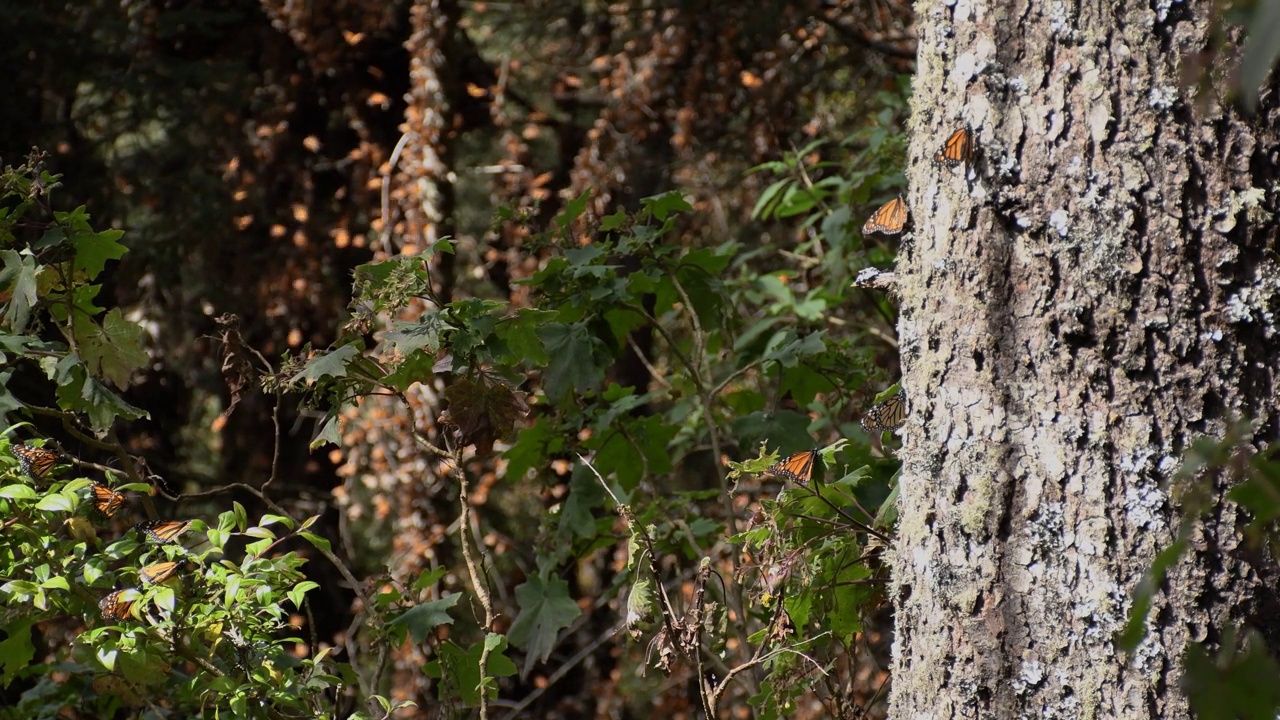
(481, 588)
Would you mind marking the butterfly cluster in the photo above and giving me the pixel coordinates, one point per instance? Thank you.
(38, 462)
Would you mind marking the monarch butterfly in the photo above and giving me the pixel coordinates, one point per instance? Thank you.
(887, 415)
(106, 500)
(163, 531)
(157, 573)
(890, 219)
(114, 608)
(36, 461)
(798, 468)
(957, 149)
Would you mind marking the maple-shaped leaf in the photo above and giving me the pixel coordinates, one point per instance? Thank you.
(424, 618)
(112, 350)
(483, 409)
(545, 610)
(19, 284)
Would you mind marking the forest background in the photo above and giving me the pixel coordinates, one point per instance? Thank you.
(411, 298)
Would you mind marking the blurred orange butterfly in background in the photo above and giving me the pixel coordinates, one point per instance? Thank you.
(798, 468)
(114, 608)
(35, 461)
(957, 149)
(163, 531)
(890, 219)
(106, 500)
(156, 573)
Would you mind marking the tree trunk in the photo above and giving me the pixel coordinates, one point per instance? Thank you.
(1077, 308)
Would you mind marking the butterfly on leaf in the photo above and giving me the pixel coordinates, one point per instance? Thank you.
(163, 531)
(115, 607)
(106, 500)
(887, 415)
(957, 149)
(797, 468)
(156, 573)
(890, 219)
(36, 461)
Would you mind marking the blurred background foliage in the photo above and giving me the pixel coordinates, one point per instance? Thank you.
(246, 148)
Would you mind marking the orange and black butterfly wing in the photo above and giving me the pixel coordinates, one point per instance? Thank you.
(113, 607)
(957, 149)
(887, 415)
(890, 219)
(36, 461)
(797, 468)
(163, 531)
(156, 573)
(106, 500)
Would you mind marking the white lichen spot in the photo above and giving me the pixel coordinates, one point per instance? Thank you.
(1150, 652)
(1213, 334)
(1059, 221)
(1137, 461)
(1060, 20)
(1162, 9)
(1254, 303)
(1143, 506)
(1163, 97)
(1045, 530)
(1030, 675)
(965, 68)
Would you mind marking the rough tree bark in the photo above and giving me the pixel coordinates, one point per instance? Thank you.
(1092, 296)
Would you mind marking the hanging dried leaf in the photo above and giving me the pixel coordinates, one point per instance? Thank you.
(483, 409)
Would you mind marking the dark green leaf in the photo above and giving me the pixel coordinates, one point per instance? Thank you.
(545, 609)
(328, 364)
(573, 365)
(422, 619)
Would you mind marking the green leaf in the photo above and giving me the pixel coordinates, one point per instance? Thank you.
(112, 350)
(585, 494)
(328, 431)
(499, 664)
(297, 592)
(16, 650)
(1239, 684)
(425, 333)
(329, 364)
(420, 620)
(93, 250)
(571, 212)
(520, 334)
(668, 203)
(418, 366)
(532, 447)
(573, 366)
(56, 583)
(545, 609)
(270, 519)
(18, 492)
(427, 578)
(1261, 49)
(56, 502)
(19, 277)
(322, 543)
